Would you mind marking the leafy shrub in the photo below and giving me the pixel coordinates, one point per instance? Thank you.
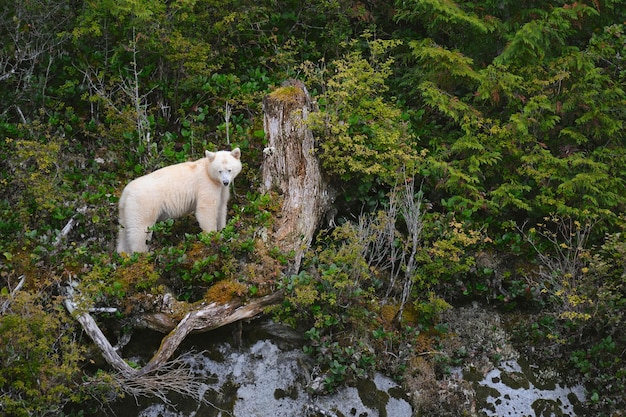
(35, 170)
(597, 337)
(366, 140)
(361, 294)
(584, 291)
(41, 355)
(561, 246)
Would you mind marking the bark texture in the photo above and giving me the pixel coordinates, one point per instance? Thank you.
(292, 168)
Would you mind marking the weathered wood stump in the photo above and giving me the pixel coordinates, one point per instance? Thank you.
(292, 168)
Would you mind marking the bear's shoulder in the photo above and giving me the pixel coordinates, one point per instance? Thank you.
(189, 166)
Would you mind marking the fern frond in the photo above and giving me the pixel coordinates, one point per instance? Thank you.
(509, 194)
(541, 37)
(443, 12)
(446, 103)
(442, 60)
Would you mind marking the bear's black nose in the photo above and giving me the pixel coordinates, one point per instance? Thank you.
(226, 182)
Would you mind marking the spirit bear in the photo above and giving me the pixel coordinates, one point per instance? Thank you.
(200, 186)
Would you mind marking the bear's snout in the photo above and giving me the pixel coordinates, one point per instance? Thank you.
(226, 182)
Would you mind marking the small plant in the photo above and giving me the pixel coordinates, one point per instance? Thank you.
(338, 362)
(563, 257)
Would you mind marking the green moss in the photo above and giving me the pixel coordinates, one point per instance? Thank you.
(290, 95)
(225, 291)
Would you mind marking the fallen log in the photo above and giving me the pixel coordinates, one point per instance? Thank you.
(199, 318)
(204, 319)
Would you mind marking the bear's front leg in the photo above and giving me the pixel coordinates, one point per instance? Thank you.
(206, 214)
(222, 208)
(138, 238)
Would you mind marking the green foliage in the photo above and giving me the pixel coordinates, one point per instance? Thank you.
(189, 264)
(41, 356)
(545, 34)
(563, 256)
(600, 359)
(523, 124)
(338, 312)
(587, 297)
(447, 253)
(334, 297)
(341, 362)
(439, 13)
(34, 173)
(365, 138)
(367, 289)
(532, 132)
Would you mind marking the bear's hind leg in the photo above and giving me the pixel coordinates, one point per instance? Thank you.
(122, 242)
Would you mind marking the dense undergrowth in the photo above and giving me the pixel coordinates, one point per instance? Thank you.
(477, 150)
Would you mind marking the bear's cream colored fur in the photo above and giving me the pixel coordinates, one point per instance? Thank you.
(200, 186)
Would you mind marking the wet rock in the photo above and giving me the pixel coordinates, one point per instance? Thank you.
(263, 379)
(518, 397)
(502, 381)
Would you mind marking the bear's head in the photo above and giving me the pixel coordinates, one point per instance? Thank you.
(224, 166)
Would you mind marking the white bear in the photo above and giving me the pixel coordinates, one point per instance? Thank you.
(200, 186)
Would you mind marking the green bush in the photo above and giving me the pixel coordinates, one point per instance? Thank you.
(41, 356)
(363, 295)
(597, 336)
(366, 139)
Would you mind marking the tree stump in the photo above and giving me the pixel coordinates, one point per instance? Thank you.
(292, 168)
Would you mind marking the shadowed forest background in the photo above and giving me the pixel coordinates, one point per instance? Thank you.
(477, 151)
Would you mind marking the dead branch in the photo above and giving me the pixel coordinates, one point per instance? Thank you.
(199, 319)
(161, 374)
(204, 319)
(12, 293)
(90, 327)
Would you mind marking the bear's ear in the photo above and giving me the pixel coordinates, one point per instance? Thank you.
(236, 153)
(210, 155)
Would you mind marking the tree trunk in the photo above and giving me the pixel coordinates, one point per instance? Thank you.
(292, 168)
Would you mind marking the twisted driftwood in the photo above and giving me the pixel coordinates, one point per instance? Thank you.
(197, 320)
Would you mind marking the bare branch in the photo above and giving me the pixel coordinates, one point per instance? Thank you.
(7, 302)
(91, 328)
(198, 319)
